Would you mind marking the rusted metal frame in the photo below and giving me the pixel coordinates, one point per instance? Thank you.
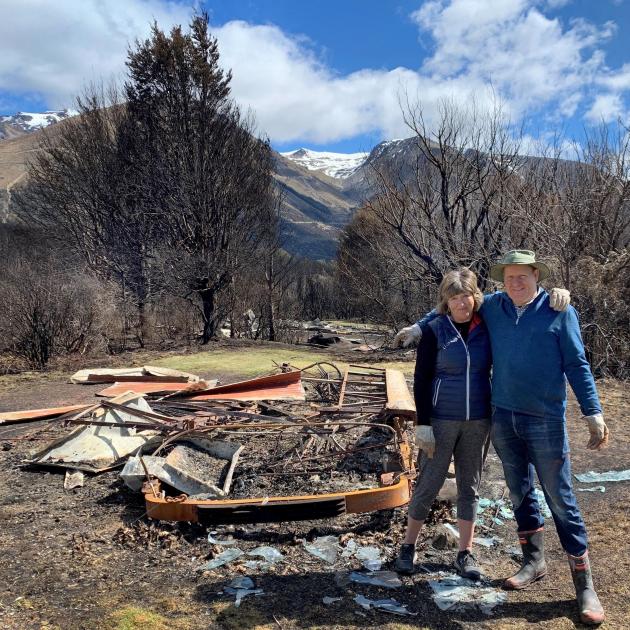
(323, 373)
(249, 428)
(280, 508)
(282, 427)
(363, 396)
(69, 418)
(365, 374)
(334, 381)
(190, 404)
(328, 388)
(305, 471)
(368, 367)
(356, 501)
(319, 366)
(219, 411)
(127, 425)
(353, 411)
(349, 451)
(268, 407)
(373, 395)
(358, 402)
(140, 413)
(342, 391)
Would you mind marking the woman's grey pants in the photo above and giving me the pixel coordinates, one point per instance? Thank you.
(467, 442)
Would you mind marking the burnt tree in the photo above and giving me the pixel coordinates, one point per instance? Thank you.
(83, 189)
(211, 176)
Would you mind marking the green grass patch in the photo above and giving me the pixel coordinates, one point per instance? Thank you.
(134, 618)
(252, 361)
(358, 325)
(247, 616)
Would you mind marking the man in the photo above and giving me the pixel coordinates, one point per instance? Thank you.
(535, 349)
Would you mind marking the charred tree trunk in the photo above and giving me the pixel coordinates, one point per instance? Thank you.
(271, 315)
(211, 319)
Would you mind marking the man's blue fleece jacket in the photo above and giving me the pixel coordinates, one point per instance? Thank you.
(533, 354)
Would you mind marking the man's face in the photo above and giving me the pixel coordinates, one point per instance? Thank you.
(521, 283)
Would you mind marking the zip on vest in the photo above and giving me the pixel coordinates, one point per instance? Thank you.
(437, 392)
(467, 369)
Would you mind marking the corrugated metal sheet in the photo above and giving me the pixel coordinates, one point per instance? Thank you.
(143, 387)
(284, 386)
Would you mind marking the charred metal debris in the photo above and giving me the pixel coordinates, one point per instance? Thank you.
(298, 444)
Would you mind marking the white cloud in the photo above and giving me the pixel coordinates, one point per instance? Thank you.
(557, 4)
(606, 108)
(56, 48)
(532, 60)
(619, 80)
(479, 48)
(294, 96)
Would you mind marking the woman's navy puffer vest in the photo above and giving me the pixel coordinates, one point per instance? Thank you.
(461, 385)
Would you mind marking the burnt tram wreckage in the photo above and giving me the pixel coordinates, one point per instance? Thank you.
(299, 444)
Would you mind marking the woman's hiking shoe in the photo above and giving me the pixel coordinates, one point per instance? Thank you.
(406, 557)
(466, 565)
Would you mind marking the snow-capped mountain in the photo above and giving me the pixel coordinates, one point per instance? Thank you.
(338, 165)
(26, 122)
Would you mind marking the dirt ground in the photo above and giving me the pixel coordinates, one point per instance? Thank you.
(89, 558)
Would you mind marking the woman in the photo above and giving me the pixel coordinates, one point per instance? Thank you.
(452, 394)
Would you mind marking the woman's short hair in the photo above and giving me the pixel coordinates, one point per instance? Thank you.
(456, 282)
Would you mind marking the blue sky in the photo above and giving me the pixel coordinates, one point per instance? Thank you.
(329, 74)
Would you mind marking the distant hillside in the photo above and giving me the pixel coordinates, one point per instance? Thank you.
(14, 153)
(316, 205)
(322, 190)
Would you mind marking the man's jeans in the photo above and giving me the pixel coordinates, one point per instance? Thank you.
(527, 443)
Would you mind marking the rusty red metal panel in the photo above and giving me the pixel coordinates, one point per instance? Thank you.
(140, 388)
(31, 415)
(283, 386)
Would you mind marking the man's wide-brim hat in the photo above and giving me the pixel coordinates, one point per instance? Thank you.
(519, 257)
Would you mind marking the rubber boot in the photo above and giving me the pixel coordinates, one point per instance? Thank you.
(591, 611)
(534, 566)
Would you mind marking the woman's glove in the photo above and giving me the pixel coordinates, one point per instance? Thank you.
(425, 439)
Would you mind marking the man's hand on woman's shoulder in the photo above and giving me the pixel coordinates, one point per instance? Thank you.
(409, 336)
(559, 299)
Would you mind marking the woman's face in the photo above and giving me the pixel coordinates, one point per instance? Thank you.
(461, 307)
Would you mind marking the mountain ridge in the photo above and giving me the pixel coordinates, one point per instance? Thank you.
(321, 190)
(316, 205)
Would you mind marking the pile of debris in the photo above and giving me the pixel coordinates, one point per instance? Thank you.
(297, 444)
